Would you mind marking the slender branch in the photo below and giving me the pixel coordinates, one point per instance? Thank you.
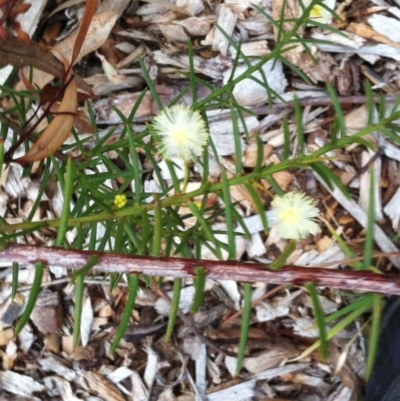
(359, 281)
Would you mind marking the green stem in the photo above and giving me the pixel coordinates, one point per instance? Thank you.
(33, 295)
(244, 332)
(176, 296)
(176, 199)
(185, 178)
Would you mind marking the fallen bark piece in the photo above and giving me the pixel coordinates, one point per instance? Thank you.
(19, 384)
(47, 315)
(103, 387)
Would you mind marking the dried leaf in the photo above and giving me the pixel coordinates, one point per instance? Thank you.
(90, 9)
(60, 127)
(20, 54)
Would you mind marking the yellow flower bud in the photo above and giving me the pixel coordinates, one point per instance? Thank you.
(120, 201)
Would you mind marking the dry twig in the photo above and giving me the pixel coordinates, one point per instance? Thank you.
(222, 270)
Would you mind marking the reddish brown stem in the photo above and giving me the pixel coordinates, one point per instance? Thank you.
(359, 281)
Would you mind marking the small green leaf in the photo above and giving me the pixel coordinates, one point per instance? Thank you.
(369, 239)
(364, 302)
(338, 110)
(206, 227)
(299, 125)
(43, 185)
(286, 140)
(79, 290)
(33, 295)
(343, 246)
(281, 260)
(2, 127)
(150, 84)
(192, 72)
(319, 317)
(15, 271)
(133, 286)
(199, 285)
(176, 296)
(350, 318)
(244, 332)
(93, 260)
(228, 216)
(157, 229)
(330, 178)
(259, 206)
(65, 213)
(374, 334)
(260, 155)
(238, 142)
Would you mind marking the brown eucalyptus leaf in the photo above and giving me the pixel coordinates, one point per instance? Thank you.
(20, 54)
(90, 9)
(58, 130)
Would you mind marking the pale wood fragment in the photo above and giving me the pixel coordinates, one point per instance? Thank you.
(196, 26)
(151, 366)
(392, 209)
(251, 93)
(100, 385)
(381, 239)
(57, 365)
(226, 21)
(250, 154)
(201, 369)
(6, 336)
(257, 48)
(268, 359)
(376, 51)
(365, 187)
(173, 33)
(19, 384)
(255, 247)
(280, 306)
(367, 32)
(240, 392)
(55, 384)
(192, 7)
(386, 26)
(86, 321)
(139, 391)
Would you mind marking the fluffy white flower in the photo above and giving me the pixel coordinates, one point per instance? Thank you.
(182, 132)
(294, 215)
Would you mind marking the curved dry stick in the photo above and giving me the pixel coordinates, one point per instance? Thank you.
(358, 281)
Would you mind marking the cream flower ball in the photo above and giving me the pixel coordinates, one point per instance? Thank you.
(294, 215)
(182, 132)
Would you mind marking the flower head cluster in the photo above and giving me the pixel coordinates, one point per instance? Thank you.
(120, 201)
(294, 215)
(321, 13)
(182, 132)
